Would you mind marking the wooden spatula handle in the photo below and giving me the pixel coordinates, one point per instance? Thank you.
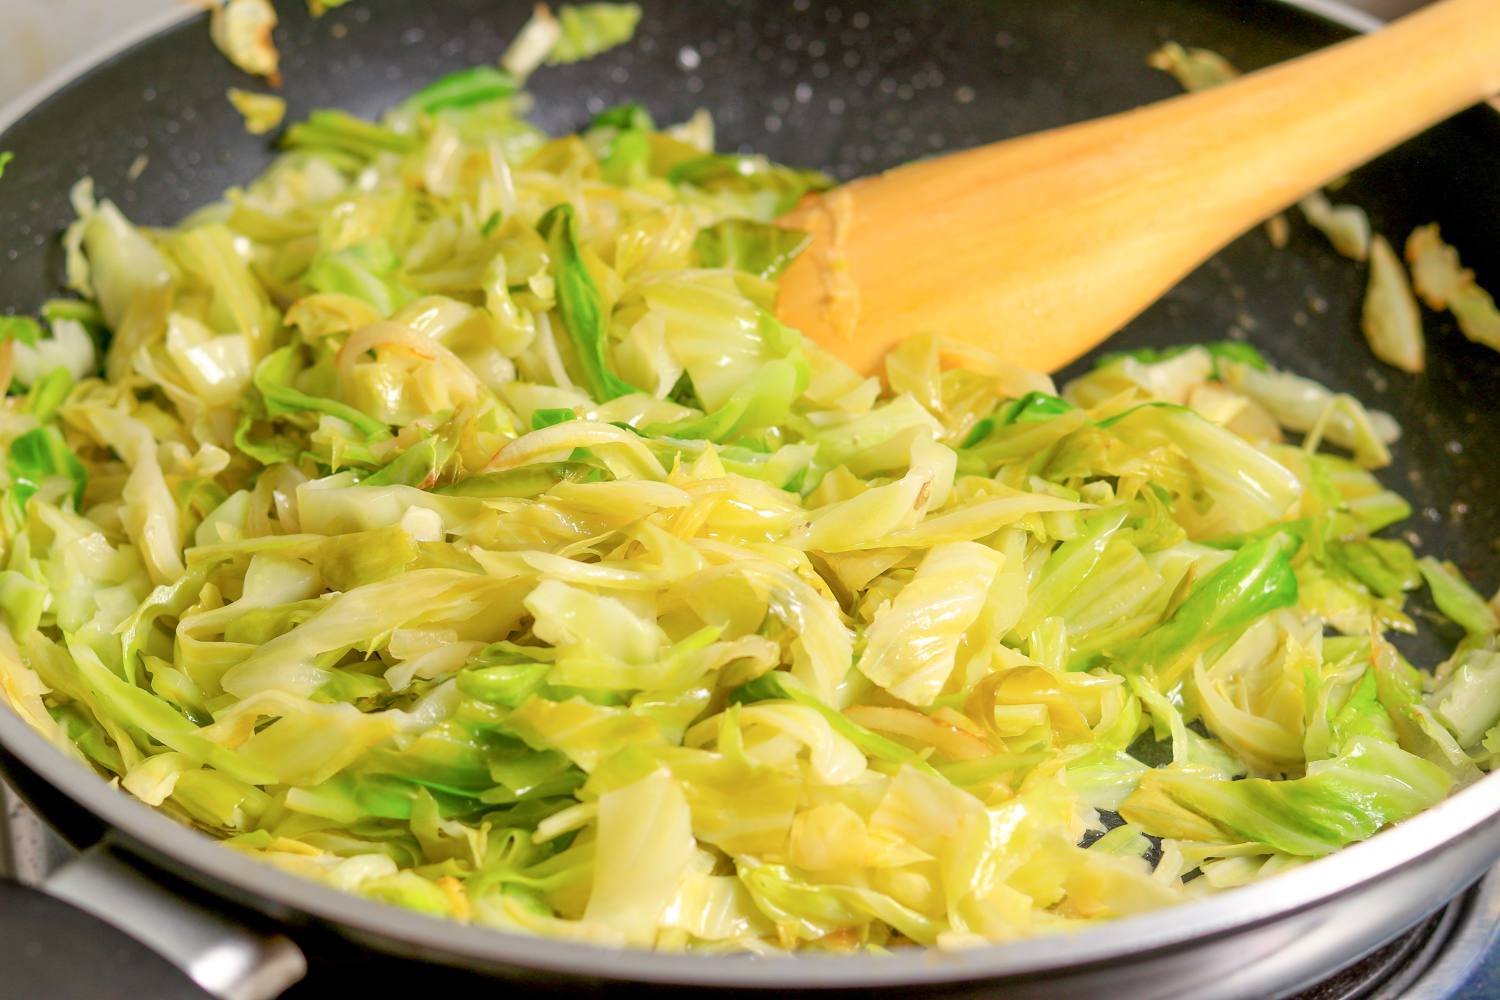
(1041, 247)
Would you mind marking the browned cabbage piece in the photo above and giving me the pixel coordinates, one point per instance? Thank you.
(1444, 283)
(241, 29)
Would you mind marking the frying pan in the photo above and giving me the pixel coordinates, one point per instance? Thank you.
(852, 86)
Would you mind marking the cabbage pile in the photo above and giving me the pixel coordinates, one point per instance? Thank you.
(446, 516)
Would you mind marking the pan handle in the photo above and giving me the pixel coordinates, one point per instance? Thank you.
(223, 957)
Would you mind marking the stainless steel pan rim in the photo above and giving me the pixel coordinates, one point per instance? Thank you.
(1322, 881)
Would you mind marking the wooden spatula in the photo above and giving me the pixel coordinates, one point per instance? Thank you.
(1039, 248)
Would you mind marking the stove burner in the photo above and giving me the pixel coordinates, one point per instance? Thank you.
(1390, 969)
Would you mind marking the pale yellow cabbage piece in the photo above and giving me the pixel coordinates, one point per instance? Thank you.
(1392, 321)
(262, 112)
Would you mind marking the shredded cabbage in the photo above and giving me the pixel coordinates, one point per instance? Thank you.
(262, 112)
(586, 30)
(1195, 69)
(449, 519)
(577, 32)
(1392, 321)
(1346, 226)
